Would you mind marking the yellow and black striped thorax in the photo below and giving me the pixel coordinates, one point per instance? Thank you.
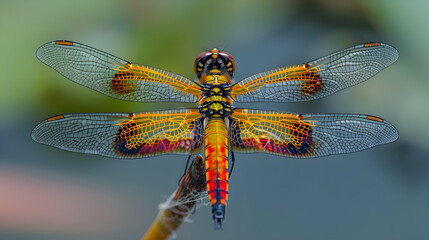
(216, 99)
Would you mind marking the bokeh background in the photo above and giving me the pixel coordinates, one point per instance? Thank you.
(380, 193)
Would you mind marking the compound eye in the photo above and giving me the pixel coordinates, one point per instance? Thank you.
(229, 61)
(200, 59)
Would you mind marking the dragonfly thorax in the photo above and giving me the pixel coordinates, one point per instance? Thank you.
(216, 100)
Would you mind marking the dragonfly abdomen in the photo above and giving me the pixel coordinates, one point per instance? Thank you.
(216, 154)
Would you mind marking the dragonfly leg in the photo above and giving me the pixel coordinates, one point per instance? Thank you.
(232, 163)
(186, 168)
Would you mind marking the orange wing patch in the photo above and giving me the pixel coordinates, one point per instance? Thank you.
(62, 42)
(128, 78)
(371, 44)
(374, 118)
(55, 117)
(276, 133)
(308, 78)
(155, 133)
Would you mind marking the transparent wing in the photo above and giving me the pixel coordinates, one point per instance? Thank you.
(122, 135)
(318, 78)
(116, 77)
(310, 135)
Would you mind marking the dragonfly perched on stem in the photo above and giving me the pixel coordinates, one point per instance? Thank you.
(216, 126)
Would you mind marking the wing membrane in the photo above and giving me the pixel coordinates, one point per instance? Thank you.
(114, 76)
(301, 136)
(122, 135)
(319, 78)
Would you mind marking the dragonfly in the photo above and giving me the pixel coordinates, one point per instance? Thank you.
(216, 127)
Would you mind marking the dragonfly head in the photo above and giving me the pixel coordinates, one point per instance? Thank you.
(214, 59)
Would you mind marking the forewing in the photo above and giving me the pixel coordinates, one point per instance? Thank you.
(122, 135)
(114, 76)
(318, 78)
(311, 135)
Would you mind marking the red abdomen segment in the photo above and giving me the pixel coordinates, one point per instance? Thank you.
(216, 153)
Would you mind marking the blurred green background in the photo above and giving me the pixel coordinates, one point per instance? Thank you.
(380, 193)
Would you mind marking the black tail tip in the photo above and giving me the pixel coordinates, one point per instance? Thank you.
(218, 212)
(218, 224)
